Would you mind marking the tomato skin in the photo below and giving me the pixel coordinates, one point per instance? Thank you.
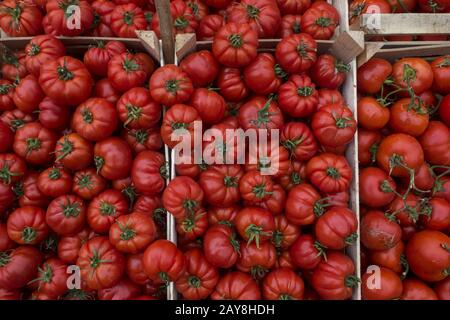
(329, 73)
(441, 75)
(95, 119)
(264, 75)
(283, 284)
(290, 58)
(163, 261)
(444, 110)
(255, 187)
(220, 246)
(170, 85)
(72, 87)
(13, 168)
(306, 253)
(26, 225)
(66, 215)
(5, 242)
(320, 21)
(179, 116)
(441, 188)
(57, 16)
(336, 228)
(29, 192)
(53, 116)
(96, 58)
(201, 67)
(256, 260)
(132, 233)
(101, 265)
(52, 278)
(7, 138)
(303, 204)
(405, 147)
(236, 286)
(290, 24)
(200, 277)
(220, 184)
(298, 96)
(148, 172)
(333, 278)
(20, 19)
(183, 19)
(105, 208)
(435, 142)
(378, 232)
(419, 71)
(293, 6)
(123, 290)
(329, 96)
(439, 218)
(40, 50)
(334, 125)
(427, 255)
(294, 176)
(20, 268)
(137, 110)
(87, 183)
(406, 119)
(390, 286)
(222, 215)
(182, 196)
(368, 142)
(389, 258)
(442, 289)
(372, 115)
(249, 219)
(359, 7)
(104, 89)
(69, 246)
(6, 294)
(7, 197)
(376, 187)
(417, 290)
(330, 173)
(208, 26)
(209, 104)
(235, 53)
(372, 74)
(6, 95)
(113, 158)
(28, 94)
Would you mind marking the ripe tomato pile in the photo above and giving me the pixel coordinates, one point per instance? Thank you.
(359, 7)
(404, 154)
(121, 18)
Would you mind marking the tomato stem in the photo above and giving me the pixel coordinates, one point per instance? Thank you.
(71, 209)
(351, 239)
(34, 50)
(254, 233)
(33, 144)
(64, 73)
(252, 12)
(351, 281)
(323, 22)
(230, 182)
(133, 113)
(194, 281)
(66, 148)
(54, 174)
(260, 191)
(5, 258)
(107, 209)
(284, 296)
(29, 235)
(236, 40)
(280, 73)
(321, 250)
(6, 174)
(87, 115)
(128, 18)
(305, 91)
(181, 23)
(172, 85)
(333, 173)
(99, 163)
(130, 65)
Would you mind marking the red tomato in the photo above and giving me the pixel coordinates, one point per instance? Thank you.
(441, 75)
(19, 266)
(105, 208)
(423, 179)
(376, 187)
(255, 187)
(182, 196)
(283, 284)
(372, 75)
(436, 214)
(28, 94)
(296, 175)
(13, 168)
(209, 104)
(290, 24)
(256, 260)
(126, 19)
(179, 116)
(220, 246)
(222, 215)
(264, 75)
(163, 262)
(275, 203)
(415, 73)
(378, 232)
(125, 71)
(285, 232)
(96, 58)
(40, 50)
(200, 277)
(135, 269)
(28, 192)
(372, 114)
(444, 110)
(148, 172)
(236, 286)
(359, 7)
(113, 158)
(199, 9)
(329, 96)
(330, 173)
(201, 68)
(235, 44)
(53, 116)
(390, 258)
(183, 18)
(296, 53)
(66, 215)
(406, 210)
(320, 21)
(104, 89)
(389, 285)
(435, 142)
(399, 6)
(334, 278)
(417, 290)
(368, 142)
(255, 225)
(298, 96)
(6, 137)
(170, 85)
(208, 26)
(306, 252)
(6, 95)
(88, 184)
(193, 225)
(59, 12)
(5, 242)
(35, 143)
(14, 66)
(442, 289)
(410, 117)
(231, 84)
(52, 278)
(26, 225)
(293, 6)
(69, 246)
(102, 18)
(123, 290)
(66, 80)
(337, 228)
(441, 188)
(101, 265)
(304, 204)
(20, 18)
(261, 15)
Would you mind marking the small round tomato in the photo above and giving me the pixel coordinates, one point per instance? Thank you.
(148, 172)
(436, 214)
(69, 246)
(231, 84)
(182, 196)
(372, 114)
(209, 25)
(306, 252)
(101, 265)
(220, 246)
(201, 68)
(435, 142)
(236, 286)
(170, 85)
(320, 21)
(337, 228)
(255, 225)
(409, 116)
(125, 71)
(368, 142)
(26, 225)
(235, 44)
(104, 209)
(193, 225)
(126, 19)
(28, 94)
(283, 284)
(137, 110)
(290, 24)
(298, 96)
(132, 233)
(52, 278)
(372, 75)
(96, 58)
(376, 187)
(304, 204)
(296, 53)
(40, 50)
(334, 278)
(163, 262)
(378, 232)
(66, 215)
(264, 75)
(398, 151)
(209, 104)
(441, 74)
(18, 267)
(294, 176)
(66, 80)
(113, 158)
(413, 73)
(104, 89)
(330, 173)
(390, 285)
(200, 277)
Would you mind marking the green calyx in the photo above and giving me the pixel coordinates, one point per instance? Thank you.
(64, 73)
(305, 91)
(5, 258)
(189, 206)
(252, 12)
(284, 296)
(34, 50)
(333, 173)
(85, 181)
(5, 88)
(33, 144)
(54, 174)
(29, 235)
(319, 207)
(324, 22)
(133, 113)
(260, 191)
(107, 209)
(128, 18)
(172, 85)
(126, 233)
(141, 136)
(351, 281)
(99, 163)
(194, 282)
(351, 239)
(87, 115)
(130, 65)
(230, 182)
(180, 23)
(254, 233)
(71, 209)
(296, 27)
(179, 125)
(342, 123)
(66, 148)
(6, 174)
(236, 41)
(95, 260)
(258, 272)
(164, 171)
